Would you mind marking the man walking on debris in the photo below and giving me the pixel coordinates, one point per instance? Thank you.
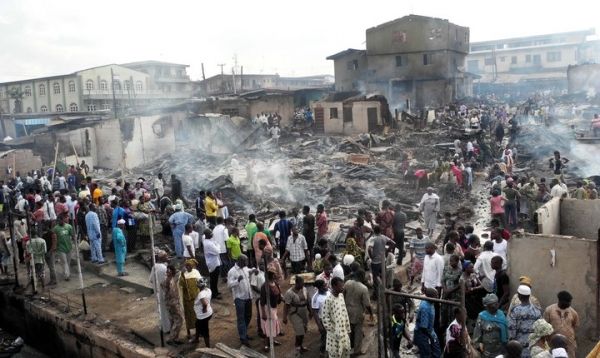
(176, 189)
(308, 228)
(322, 224)
(357, 303)
(399, 221)
(385, 219)
(430, 206)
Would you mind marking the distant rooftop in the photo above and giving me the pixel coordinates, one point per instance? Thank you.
(537, 37)
(152, 62)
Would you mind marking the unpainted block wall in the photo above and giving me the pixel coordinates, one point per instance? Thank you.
(575, 270)
(549, 218)
(580, 218)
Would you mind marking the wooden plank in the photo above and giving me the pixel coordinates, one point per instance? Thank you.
(212, 352)
(251, 353)
(232, 352)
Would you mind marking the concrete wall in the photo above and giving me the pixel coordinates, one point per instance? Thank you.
(348, 77)
(65, 334)
(21, 160)
(548, 218)
(110, 144)
(580, 218)
(359, 123)
(575, 270)
(152, 137)
(284, 105)
(415, 33)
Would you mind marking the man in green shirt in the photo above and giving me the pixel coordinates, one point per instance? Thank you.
(251, 230)
(233, 244)
(64, 243)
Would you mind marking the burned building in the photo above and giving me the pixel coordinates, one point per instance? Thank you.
(414, 61)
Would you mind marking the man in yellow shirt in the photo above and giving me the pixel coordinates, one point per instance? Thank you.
(96, 193)
(211, 208)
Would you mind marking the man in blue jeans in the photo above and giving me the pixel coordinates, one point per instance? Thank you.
(424, 335)
(238, 279)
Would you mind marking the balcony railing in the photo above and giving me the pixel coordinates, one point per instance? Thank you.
(124, 94)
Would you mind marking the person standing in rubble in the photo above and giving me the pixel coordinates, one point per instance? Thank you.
(385, 219)
(159, 186)
(176, 189)
(430, 206)
(308, 227)
(178, 221)
(92, 223)
(211, 208)
(322, 225)
(120, 244)
(557, 164)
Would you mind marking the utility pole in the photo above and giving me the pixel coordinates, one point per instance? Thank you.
(222, 74)
(112, 83)
(203, 76)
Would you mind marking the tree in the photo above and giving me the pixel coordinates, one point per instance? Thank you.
(16, 94)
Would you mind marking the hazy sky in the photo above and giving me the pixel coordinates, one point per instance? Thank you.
(42, 37)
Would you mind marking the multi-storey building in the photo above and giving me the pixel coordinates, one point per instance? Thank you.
(414, 61)
(167, 77)
(230, 84)
(532, 63)
(93, 89)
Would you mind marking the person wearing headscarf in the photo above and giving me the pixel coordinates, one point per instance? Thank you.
(120, 244)
(491, 328)
(523, 280)
(145, 207)
(353, 249)
(538, 339)
(178, 221)
(188, 285)
(474, 292)
(171, 309)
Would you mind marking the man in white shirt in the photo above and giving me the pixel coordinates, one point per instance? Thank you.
(500, 246)
(220, 236)
(195, 238)
(317, 303)
(433, 268)
(559, 189)
(159, 186)
(338, 270)
(297, 250)
(188, 242)
(213, 262)
(238, 280)
(483, 266)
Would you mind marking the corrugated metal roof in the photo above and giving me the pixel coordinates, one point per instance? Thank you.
(33, 121)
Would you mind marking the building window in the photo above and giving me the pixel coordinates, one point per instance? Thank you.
(89, 85)
(537, 59)
(44, 109)
(473, 66)
(400, 61)
(554, 56)
(513, 60)
(91, 107)
(527, 58)
(42, 90)
(489, 61)
(333, 113)
(29, 110)
(71, 86)
(59, 108)
(73, 107)
(56, 87)
(105, 106)
(27, 91)
(352, 65)
(502, 58)
(103, 85)
(127, 85)
(116, 85)
(427, 59)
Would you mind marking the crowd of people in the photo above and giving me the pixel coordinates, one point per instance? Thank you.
(211, 252)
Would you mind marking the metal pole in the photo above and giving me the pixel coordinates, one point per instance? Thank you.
(79, 267)
(112, 83)
(418, 297)
(271, 339)
(55, 159)
(156, 283)
(382, 305)
(15, 250)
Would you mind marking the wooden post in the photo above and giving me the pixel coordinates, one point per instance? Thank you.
(55, 159)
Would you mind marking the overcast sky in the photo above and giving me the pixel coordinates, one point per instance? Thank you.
(42, 38)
